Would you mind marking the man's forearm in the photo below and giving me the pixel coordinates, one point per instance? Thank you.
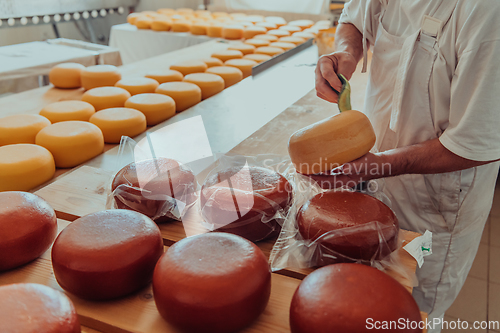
(349, 39)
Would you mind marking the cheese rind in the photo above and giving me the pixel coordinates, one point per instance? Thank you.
(117, 122)
(228, 54)
(181, 26)
(143, 22)
(161, 24)
(66, 75)
(139, 85)
(100, 76)
(210, 84)
(185, 94)
(231, 75)
(232, 31)
(156, 107)
(214, 30)
(165, 75)
(68, 110)
(71, 142)
(244, 65)
(21, 128)
(199, 28)
(106, 97)
(24, 166)
(189, 67)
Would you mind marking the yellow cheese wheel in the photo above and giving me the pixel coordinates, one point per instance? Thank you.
(202, 12)
(312, 30)
(290, 28)
(106, 97)
(278, 20)
(251, 32)
(269, 38)
(269, 50)
(227, 54)
(254, 18)
(185, 94)
(143, 22)
(257, 42)
(117, 122)
(24, 166)
(68, 110)
(292, 39)
(161, 24)
(303, 24)
(21, 128)
(257, 57)
(138, 85)
(244, 65)
(212, 62)
(219, 14)
(190, 66)
(267, 25)
(199, 28)
(231, 75)
(156, 107)
(184, 11)
(166, 11)
(100, 76)
(132, 17)
(283, 45)
(210, 84)
(149, 13)
(243, 48)
(279, 33)
(71, 142)
(215, 30)
(232, 31)
(304, 34)
(165, 75)
(66, 75)
(181, 26)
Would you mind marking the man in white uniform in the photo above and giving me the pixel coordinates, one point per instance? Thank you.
(434, 101)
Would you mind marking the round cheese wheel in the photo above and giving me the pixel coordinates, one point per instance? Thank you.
(71, 142)
(244, 201)
(184, 11)
(147, 187)
(28, 226)
(100, 76)
(185, 94)
(290, 28)
(292, 39)
(117, 122)
(210, 84)
(303, 24)
(278, 20)
(68, 110)
(336, 210)
(215, 30)
(257, 57)
(304, 34)
(181, 26)
(243, 48)
(257, 42)
(211, 62)
(227, 54)
(269, 38)
(31, 307)
(231, 75)
(213, 282)
(219, 14)
(138, 85)
(156, 107)
(132, 17)
(269, 50)
(312, 31)
(232, 31)
(199, 28)
(107, 254)
(283, 45)
(143, 22)
(340, 298)
(24, 166)
(267, 25)
(190, 66)
(254, 18)
(279, 33)
(161, 24)
(166, 11)
(244, 65)
(252, 31)
(66, 75)
(106, 97)
(21, 128)
(165, 75)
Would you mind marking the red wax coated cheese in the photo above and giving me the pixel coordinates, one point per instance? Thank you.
(31, 307)
(28, 226)
(342, 297)
(107, 254)
(152, 187)
(243, 201)
(213, 282)
(366, 228)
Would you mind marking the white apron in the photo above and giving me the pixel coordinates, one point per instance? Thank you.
(397, 103)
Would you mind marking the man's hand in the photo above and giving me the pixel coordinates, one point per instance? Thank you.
(326, 74)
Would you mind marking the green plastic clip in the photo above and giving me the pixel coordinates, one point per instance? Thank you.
(344, 103)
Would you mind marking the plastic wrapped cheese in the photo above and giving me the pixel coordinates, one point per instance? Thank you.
(231, 75)
(21, 128)
(100, 76)
(257, 57)
(244, 65)
(66, 75)
(243, 48)
(138, 85)
(71, 142)
(269, 50)
(185, 94)
(227, 54)
(106, 97)
(210, 84)
(211, 62)
(164, 75)
(68, 110)
(24, 166)
(190, 66)
(117, 122)
(156, 107)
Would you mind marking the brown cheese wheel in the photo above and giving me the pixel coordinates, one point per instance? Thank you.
(335, 210)
(342, 297)
(28, 226)
(212, 282)
(247, 206)
(31, 307)
(107, 254)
